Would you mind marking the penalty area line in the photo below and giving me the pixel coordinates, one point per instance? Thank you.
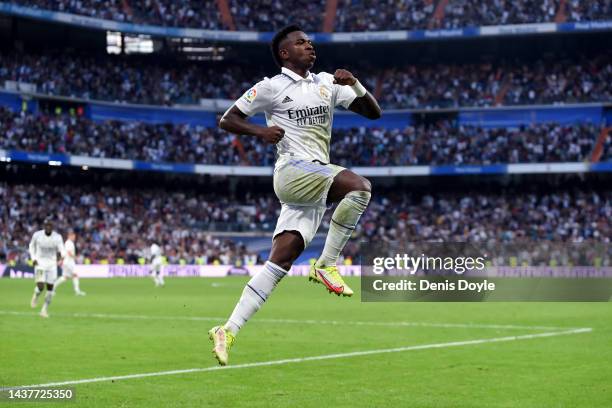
(305, 359)
(298, 321)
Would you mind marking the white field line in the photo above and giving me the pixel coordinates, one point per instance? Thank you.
(297, 321)
(306, 359)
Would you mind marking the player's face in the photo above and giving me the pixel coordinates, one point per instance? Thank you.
(48, 228)
(298, 49)
(72, 236)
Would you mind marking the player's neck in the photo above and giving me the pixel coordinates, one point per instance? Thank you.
(303, 72)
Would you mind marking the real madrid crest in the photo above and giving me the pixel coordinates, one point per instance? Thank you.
(324, 92)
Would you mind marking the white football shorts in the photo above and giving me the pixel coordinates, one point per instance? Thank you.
(302, 187)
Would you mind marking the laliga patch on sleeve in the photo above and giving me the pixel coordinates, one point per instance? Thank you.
(250, 95)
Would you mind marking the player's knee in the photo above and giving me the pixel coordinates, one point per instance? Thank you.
(287, 247)
(362, 184)
(367, 185)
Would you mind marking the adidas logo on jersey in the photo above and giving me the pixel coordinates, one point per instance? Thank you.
(287, 100)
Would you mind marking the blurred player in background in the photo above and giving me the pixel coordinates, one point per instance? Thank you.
(156, 261)
(69, 264)
(45, 245)
(299, 108)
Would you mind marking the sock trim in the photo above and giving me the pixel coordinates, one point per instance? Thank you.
(342, 225)
(257, 293)
(275, 269)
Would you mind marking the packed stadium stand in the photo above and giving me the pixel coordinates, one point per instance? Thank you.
(344, 15)
(442, 142)
(118, 222)
(147, 81)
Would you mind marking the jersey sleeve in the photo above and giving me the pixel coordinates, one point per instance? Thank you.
(32, 247)
(344, 95)
(257, 99)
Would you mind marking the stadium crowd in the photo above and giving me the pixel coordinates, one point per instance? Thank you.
(271, 15)
(351, 15)
(539, 82)
(135, 80)
(446, 143)
(190, 13)
(371, 15)
(126, 79)
(115, 223)
(443, 142)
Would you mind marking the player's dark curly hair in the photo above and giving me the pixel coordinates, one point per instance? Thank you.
(280, 36)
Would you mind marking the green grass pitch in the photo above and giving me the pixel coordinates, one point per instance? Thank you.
(127, 326)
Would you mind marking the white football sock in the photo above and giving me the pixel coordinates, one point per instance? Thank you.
(75, 285)
(35, 296)
(343, 222)
(48, 298)
(254, 295)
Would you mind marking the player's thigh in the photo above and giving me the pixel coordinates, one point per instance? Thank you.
(39, 274)
(68, 271)
(49, 275)
(300, 218)
(302, 182)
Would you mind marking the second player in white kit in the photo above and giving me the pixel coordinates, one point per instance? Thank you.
(156, 260)
(69, 265)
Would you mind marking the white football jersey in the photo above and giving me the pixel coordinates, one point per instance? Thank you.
(303, 107)
(70, 248)
(155, 250)
(44, 248)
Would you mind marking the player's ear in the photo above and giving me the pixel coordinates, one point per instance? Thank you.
(283, 53)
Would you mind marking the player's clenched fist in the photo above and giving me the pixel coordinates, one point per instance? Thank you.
(344, 77)
(272, 134)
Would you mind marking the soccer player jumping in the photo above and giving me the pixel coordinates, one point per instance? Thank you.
(299, 107)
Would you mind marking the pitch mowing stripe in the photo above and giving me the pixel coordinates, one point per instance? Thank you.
(299, 321)
(306, 359)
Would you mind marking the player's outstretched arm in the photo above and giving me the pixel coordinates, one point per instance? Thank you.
(235, 121)
(365, 104)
